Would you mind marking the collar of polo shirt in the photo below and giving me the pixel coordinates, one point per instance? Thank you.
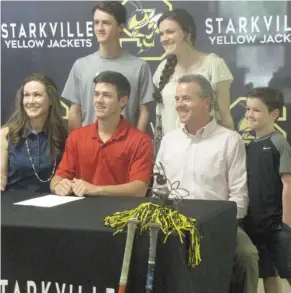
(121, 130)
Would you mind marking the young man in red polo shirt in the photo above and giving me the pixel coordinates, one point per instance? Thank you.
(110, 156)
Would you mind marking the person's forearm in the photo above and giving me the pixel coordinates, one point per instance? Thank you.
(54, 182)
(75, 117)
(286, 201)
(226, 120)
(143, 118)
(135, 189)
(3, 182)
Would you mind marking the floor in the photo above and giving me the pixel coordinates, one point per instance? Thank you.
(285, 287)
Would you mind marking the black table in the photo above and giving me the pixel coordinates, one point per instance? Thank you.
(69, 246)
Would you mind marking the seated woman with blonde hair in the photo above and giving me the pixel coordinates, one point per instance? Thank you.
(33, 139)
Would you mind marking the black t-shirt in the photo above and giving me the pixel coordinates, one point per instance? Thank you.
(268, 158)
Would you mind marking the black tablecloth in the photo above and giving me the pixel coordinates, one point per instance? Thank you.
(69, 246)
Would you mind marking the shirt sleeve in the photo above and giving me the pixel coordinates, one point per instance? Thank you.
(71, 90)
(67, 166)
(284, 150)
(220, 71)
(237, 174)
(146, 87)
(285, 159)
(142, 161)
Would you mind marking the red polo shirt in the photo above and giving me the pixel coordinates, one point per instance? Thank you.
(127, 156)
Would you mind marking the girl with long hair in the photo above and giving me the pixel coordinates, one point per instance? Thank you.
(178, 37)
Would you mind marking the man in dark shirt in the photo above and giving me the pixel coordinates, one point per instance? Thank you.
(269, 182)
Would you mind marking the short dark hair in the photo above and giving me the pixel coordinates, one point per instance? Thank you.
(272, 98)
(114, 8)
(117, 79)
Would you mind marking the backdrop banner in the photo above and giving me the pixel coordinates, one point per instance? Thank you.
(253, 37)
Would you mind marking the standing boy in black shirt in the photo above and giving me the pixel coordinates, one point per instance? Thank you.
(269, 182)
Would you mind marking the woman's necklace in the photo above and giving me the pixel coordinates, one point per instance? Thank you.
(33, 167)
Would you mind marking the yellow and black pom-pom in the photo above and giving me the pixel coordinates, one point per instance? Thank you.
(171, 222)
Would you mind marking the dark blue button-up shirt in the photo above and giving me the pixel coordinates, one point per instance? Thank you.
(21, 174)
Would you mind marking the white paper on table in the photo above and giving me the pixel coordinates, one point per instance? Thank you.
(48, 201)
